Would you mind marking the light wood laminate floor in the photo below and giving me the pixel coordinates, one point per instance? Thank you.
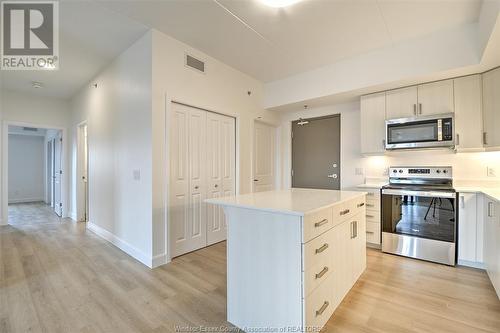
(59, 277)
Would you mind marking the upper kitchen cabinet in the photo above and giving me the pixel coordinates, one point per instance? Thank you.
(468, 115)
(435, 98)
(401, 103)
(491, 109)
(373, 123)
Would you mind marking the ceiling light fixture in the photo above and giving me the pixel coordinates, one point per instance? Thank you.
(279, 3)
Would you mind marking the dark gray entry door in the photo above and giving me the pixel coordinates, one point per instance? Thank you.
(316, 153)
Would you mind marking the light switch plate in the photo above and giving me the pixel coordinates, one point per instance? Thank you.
(491, 172)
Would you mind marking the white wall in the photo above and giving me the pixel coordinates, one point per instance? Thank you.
(466, 166)
(222, 89)
(26, 168)
(34, 111)
(118, 113)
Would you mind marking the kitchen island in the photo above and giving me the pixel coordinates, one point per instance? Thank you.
(292, 256)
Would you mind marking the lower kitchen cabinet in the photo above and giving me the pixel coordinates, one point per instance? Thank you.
(469, 252)
(492, 241)
(373, 217)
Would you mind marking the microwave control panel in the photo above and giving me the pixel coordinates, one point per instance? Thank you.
(447, 129)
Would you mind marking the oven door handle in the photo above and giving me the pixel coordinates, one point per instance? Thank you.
(431, 194)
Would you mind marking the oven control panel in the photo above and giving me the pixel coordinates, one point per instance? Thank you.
(421, 172)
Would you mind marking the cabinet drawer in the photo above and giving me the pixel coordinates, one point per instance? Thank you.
(372, 204)
(373, 195)
(317, 223)
(347, 210)
(372, 215)
(320, 304)
(373, 232)
(316, 275)
(318, 250)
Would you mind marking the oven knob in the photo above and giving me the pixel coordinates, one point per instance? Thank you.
(400, 171)
(438, 171)
(444, 171)
(395, 171)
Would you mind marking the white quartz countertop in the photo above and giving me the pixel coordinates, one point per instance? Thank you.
(293, 201)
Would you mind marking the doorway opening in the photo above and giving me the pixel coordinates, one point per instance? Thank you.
(34, 175)
(82, 210)
(316, 153)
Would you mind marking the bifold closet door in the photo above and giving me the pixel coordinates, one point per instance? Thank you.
(220, 171)
(188, 225)
(202, 165)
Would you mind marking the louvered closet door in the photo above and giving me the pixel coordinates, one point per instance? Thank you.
(188, 179)
(220, 171)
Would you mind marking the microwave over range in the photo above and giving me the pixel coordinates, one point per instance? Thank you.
(420, 132)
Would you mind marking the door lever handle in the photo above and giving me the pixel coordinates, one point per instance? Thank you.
(333, 175)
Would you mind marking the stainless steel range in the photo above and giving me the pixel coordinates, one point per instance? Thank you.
(419, 214)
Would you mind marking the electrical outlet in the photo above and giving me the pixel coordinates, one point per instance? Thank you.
(491, 172)
(359, 171)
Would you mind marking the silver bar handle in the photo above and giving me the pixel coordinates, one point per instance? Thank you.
(458, 140)
(360, 204)
(323, 272)
(322, 309)
(320, 223)
(370, 216)
(419, 108)
(322, 248)
(355, 229)
(415, 109)
(344, 212)
(370, 232)
(485, 138)
(370, 205)
(352, 230)
(490, 209)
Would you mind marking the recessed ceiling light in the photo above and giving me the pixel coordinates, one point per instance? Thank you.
(279, 3)
(36, 84)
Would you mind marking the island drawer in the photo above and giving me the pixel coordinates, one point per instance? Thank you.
(319, 250)
(348, 209)
(320, 304)
(317, 223)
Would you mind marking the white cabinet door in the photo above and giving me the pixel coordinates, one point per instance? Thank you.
(491, 108)
(468, 113)
(435, 98)
(401, 103)
(467, 227)
(491, 242)
(220, 171)
(373, 123)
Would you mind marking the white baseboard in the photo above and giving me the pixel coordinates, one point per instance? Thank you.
(160, 260)
(472, 264)
(121, 244)
(25, 200)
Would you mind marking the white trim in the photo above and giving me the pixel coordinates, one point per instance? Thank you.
(159, 260)
(72, 215)
(5, 165)
(473, 264)
(79, 216)
(121, 244)
(26, 200)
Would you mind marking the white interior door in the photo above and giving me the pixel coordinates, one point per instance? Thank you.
(188, 185)
(58, 174)
(220, 171)
(264, 157)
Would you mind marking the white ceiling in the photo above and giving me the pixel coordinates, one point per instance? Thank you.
(90, 37)
(270, 44)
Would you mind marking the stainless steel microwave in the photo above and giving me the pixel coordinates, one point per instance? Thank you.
(420, 132)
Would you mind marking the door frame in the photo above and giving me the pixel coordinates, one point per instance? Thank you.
(290, 145)
(80, 206)
(277, 162)
(169, 100)
(5, 166)
(48, 172)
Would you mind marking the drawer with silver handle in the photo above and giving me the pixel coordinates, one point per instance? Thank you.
(320, 304)
(317, 223)
(373, 215)
(373, 232)
(318, 251)
(317, 274)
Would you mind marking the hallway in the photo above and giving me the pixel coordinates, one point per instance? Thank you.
(33, 213)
